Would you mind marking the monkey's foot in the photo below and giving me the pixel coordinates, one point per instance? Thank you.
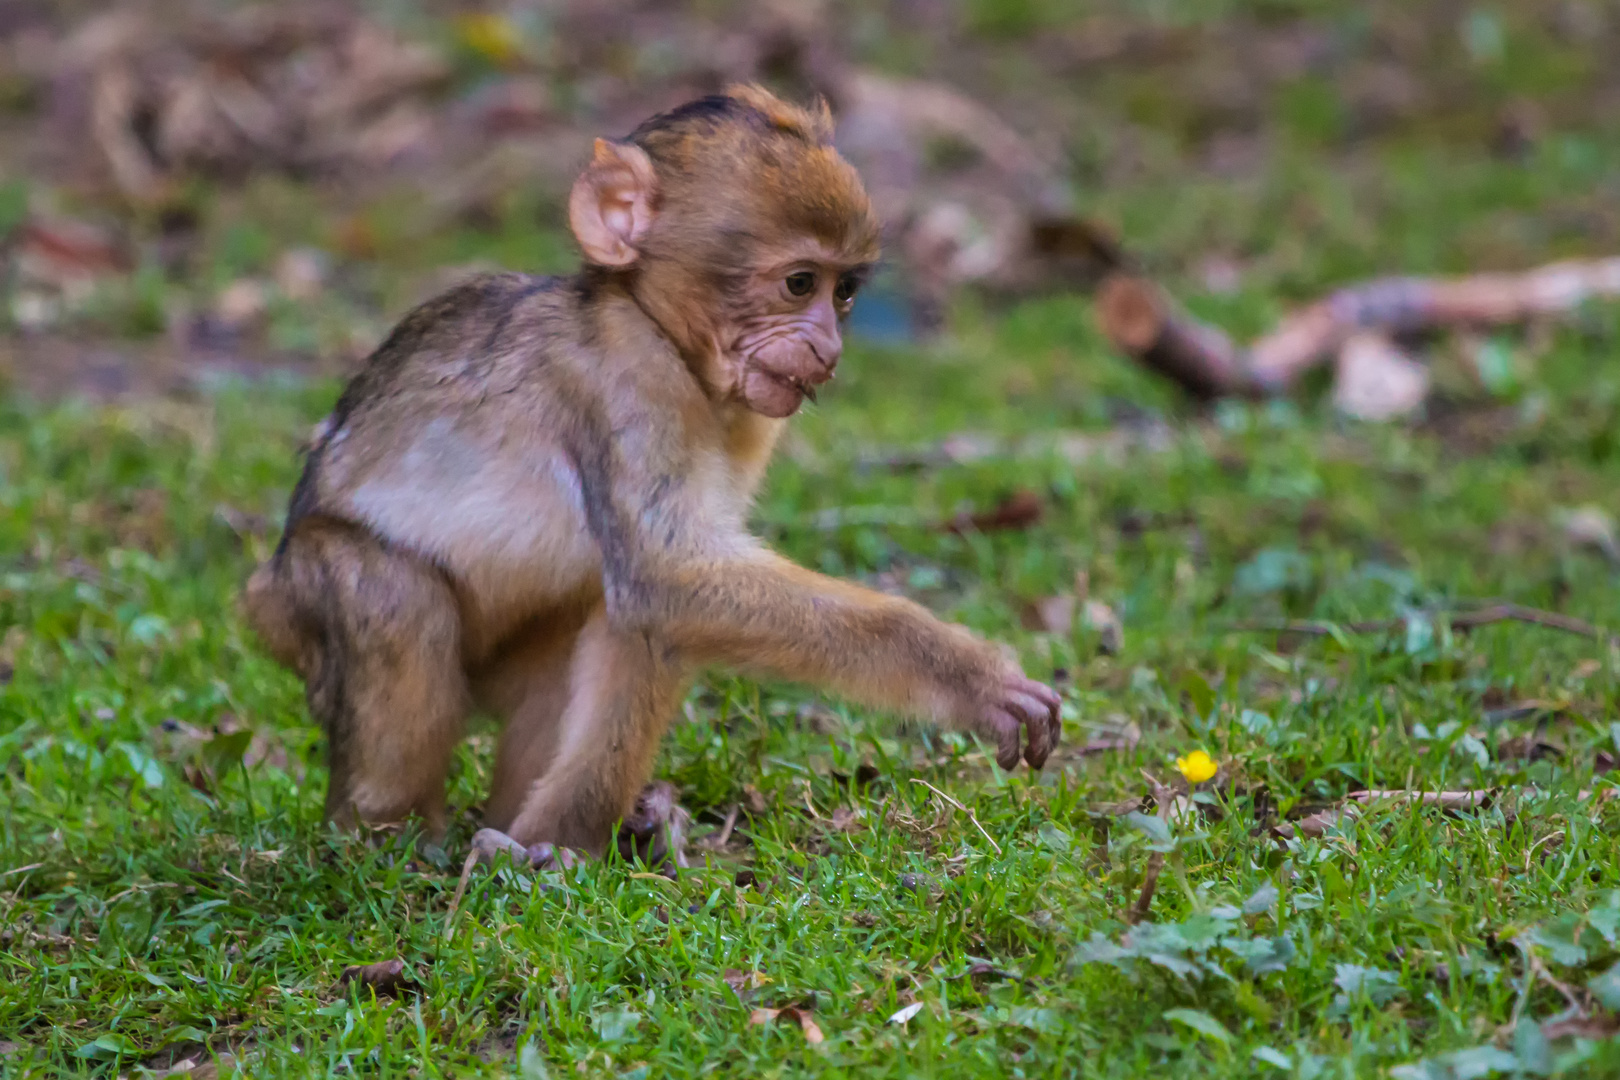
(655, 831)
(489, 844)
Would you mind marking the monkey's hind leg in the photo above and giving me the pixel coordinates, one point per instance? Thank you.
(623, 690)
(382, 667)
(527, 687)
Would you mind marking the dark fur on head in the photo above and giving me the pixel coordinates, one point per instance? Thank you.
(792, 180)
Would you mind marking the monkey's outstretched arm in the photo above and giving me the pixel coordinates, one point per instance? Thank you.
(763, 614)
(674, 569)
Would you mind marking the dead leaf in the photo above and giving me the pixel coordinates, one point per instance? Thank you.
(1529, 747)
(792, 1014)
(222, 1065)
(56, 266)
(1313, 825)
(385, 978)
(753, 800)
(67, 254)
(1181, 811)
(1376, 380)
(904, 1015)
(865, 775)
(1124, 734)
(744, 983)
(1019, 510)
(845, 819)
(1590, 527)
(1051, 614)
(818, 719)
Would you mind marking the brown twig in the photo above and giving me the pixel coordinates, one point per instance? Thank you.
(1150, 882)
(1314, 825)
(1144, 323)
(724, 834)
(461, 890)
(1163, 797)
(1471, 799)
(988, 970)
(1460, 620)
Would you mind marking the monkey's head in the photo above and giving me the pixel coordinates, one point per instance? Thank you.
(742, 232)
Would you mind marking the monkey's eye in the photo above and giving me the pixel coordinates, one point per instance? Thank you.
(846, 288)
(802, 283)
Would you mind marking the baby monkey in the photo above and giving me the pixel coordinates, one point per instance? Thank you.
(533, 498)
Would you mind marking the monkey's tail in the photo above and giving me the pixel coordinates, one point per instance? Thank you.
(272, 615)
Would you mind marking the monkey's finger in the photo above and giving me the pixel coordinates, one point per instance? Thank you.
(1006, 728)
(548, 856)
(1040, 740)
(1053, 713)
(1031, 708)
(1053, 700)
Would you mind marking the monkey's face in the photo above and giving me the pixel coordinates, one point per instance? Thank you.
(787, 334)
(743, 234)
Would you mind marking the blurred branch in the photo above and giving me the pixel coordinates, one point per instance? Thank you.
(1462, 620)
(1146, 324)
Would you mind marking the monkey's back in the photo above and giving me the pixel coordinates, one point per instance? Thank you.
(448, 442)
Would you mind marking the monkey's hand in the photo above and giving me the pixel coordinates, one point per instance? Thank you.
(1006, 706)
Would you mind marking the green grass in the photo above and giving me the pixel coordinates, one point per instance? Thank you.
(168, 891)
(147, 918)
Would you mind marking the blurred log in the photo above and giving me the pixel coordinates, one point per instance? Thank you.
(1144, 323)
(1406, 304)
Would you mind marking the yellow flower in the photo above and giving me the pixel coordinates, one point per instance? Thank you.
(1197, 767)
(494, 37)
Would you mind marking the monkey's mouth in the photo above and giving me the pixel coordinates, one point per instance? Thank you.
(803, 387)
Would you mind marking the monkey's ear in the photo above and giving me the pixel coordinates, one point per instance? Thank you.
(611, 205)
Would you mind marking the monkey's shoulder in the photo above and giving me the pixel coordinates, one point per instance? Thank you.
(461, 334)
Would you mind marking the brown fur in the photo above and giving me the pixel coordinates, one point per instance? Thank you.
(534, 496)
